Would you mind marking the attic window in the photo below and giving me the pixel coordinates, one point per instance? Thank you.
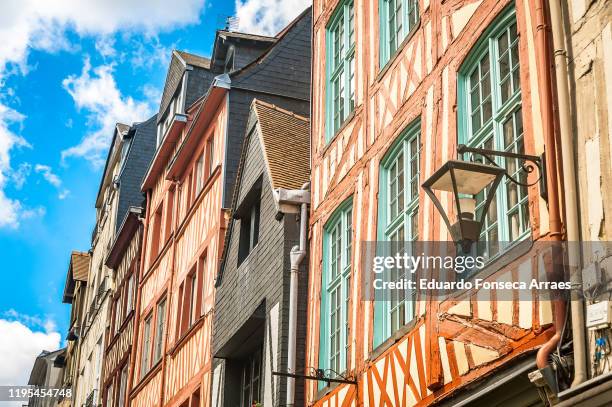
(229, 61)
(248, 214)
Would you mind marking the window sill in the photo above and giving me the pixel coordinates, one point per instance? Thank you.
(344, 125)
(192, 208)
(394, 56)
(157, 259)
(146, 378)
(393, 339)
(515, 251)
(331, 387)
(186, 335)
(121, 328)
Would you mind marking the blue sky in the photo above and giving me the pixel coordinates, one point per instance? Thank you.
(68, 71)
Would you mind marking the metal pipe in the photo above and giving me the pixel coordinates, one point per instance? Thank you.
(546, 93)
(297, 256)
(569, 188)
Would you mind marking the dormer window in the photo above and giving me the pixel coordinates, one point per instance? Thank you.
(176, 106)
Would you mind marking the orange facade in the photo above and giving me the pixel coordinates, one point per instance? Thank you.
(185, 226)
(468, 335)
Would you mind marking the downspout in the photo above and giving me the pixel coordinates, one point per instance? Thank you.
(545, 83)
(569, 189)
(289, 201)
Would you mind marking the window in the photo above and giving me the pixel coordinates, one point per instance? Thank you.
(146, 347)
(200, 176)
(130, 294)
(109, 396)
(193, 297)
(397, 19)
(210, 148)
(159, 330)
(118, 314)
(123, 384)
(340, 57)
(251, 380)
(249, 230)
(155, 234)
(190, 299)
(169, 212)
(490, 116)
(337, 254)
(398, 210)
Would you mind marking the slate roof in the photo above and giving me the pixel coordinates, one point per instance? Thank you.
(285, 139)
(246, 36)
(175, 74)
(195, 60)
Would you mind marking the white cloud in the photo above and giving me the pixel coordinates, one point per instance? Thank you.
(95, 91)
(21, 174)
(43, 25)
(105, 46)
(19, 346)
(267, 17)
(48, 175)
(10, 209)
(52, 178)
(63, 194)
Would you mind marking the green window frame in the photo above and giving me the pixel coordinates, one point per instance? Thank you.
(336, 281)
(398, 18)
(340, 67)
(398, 211)
(490, 116)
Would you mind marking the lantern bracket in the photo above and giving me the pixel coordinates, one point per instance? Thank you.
(528, 163)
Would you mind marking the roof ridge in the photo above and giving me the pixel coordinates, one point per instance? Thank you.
(280, 109)
(190, 53)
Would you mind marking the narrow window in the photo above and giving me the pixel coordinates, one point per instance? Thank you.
(146, 347)
(210, 148)
(398, 224)
(130, 293)
(109, 396)
(398, 18)
(249, 230)
(337, 256)
(200, 176)
(155, 234)
(193, 297)
(251, 380)
(123, 384)
(490, 116)
(340, 57)
(169, 214)
(160, 330)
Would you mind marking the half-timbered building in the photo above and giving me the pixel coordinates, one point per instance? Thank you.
(251, 318)
(124, 260)
(397, 86)
(189, 188)
(128, 157)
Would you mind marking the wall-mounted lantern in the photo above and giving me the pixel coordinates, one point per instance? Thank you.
(466, 179)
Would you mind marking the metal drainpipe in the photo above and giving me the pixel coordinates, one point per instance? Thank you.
(545, 83)
(297, 255)
(569, 190)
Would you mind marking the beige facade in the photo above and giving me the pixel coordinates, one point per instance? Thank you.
(95, 321)
(589, 38)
